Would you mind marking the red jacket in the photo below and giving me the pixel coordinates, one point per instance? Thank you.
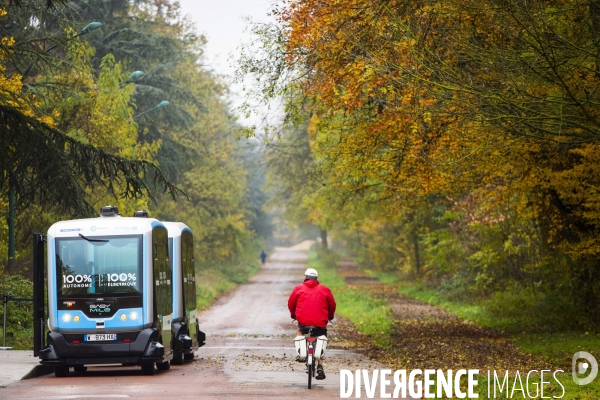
(312, 304)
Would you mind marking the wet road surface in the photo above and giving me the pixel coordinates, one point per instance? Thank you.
(248, 353)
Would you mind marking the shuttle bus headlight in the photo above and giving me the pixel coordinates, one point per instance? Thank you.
(123, 317)
(66, 317)
(76, 318)
(133, 315)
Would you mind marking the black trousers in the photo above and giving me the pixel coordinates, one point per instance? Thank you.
(316, 332)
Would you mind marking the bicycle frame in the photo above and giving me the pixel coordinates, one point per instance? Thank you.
(311, 347)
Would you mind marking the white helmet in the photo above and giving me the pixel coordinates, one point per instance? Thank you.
(311, 272)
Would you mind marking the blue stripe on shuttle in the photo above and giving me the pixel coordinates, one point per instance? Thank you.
(157, 223)
(145, 271)
(89, 324)
(53, 289)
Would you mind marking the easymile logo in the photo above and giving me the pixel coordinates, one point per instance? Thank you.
(582, 367)
(99, 308)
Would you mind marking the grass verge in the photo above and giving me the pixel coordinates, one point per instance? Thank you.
(559, 348)
(513, 316)
(214, 281)
(556, 347)
(472, 312)
(371, 316)
(19, 325)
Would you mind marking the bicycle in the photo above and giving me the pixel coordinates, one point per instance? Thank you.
(312, 351)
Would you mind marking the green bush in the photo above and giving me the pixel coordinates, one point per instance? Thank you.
(213, 280)
(19, 318)
(325, 264)
(210, 283)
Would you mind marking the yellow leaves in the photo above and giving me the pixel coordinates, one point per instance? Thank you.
(11, 92)
(393, 125)
(47, 120)
(313, 125)
(3, 12)
(10, 85)
(7, 41)
(414, 128)
(427, 117)
(96, 112)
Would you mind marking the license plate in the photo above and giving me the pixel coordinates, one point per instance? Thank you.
(98, 337)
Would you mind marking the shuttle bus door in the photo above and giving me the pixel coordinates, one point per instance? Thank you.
(163, 291)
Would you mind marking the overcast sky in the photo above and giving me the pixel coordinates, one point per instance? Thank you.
(224, 25)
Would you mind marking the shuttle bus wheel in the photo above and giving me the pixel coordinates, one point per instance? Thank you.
(188, 356)
(80, 369)
(177, 359)
(163, 366)
(148, 368)
(61, 371)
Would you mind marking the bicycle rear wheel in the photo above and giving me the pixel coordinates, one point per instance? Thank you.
(311, 367)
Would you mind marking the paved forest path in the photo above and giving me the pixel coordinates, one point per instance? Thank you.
(249, 353)
(250, 337)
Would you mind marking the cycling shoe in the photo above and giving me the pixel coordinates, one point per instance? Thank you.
(320, 373)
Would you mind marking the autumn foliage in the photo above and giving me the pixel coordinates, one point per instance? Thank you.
(455, 140)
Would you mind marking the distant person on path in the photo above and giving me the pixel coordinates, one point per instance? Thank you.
(312, 304)
(263, 257)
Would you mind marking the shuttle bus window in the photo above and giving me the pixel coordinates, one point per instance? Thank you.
(111, 267)
(189, 285)
(162, 273)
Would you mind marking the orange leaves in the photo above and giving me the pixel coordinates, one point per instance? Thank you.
(357, 52)
(498, 101)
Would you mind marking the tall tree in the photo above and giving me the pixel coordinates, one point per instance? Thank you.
(60, 167)
(493, 104)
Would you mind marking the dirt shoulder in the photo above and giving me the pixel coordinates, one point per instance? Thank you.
(426, 336)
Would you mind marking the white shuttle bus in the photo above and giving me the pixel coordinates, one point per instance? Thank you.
(110, 294)
(188, 336)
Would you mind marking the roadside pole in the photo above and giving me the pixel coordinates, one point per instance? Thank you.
(5, 301)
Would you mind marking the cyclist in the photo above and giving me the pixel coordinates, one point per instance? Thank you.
(312, 304)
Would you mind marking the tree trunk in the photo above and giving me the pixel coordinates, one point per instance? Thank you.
(324, 238)
(595, 17)
(416, 250)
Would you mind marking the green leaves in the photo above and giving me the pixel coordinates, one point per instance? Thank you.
(46, 167)
(68, 143)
